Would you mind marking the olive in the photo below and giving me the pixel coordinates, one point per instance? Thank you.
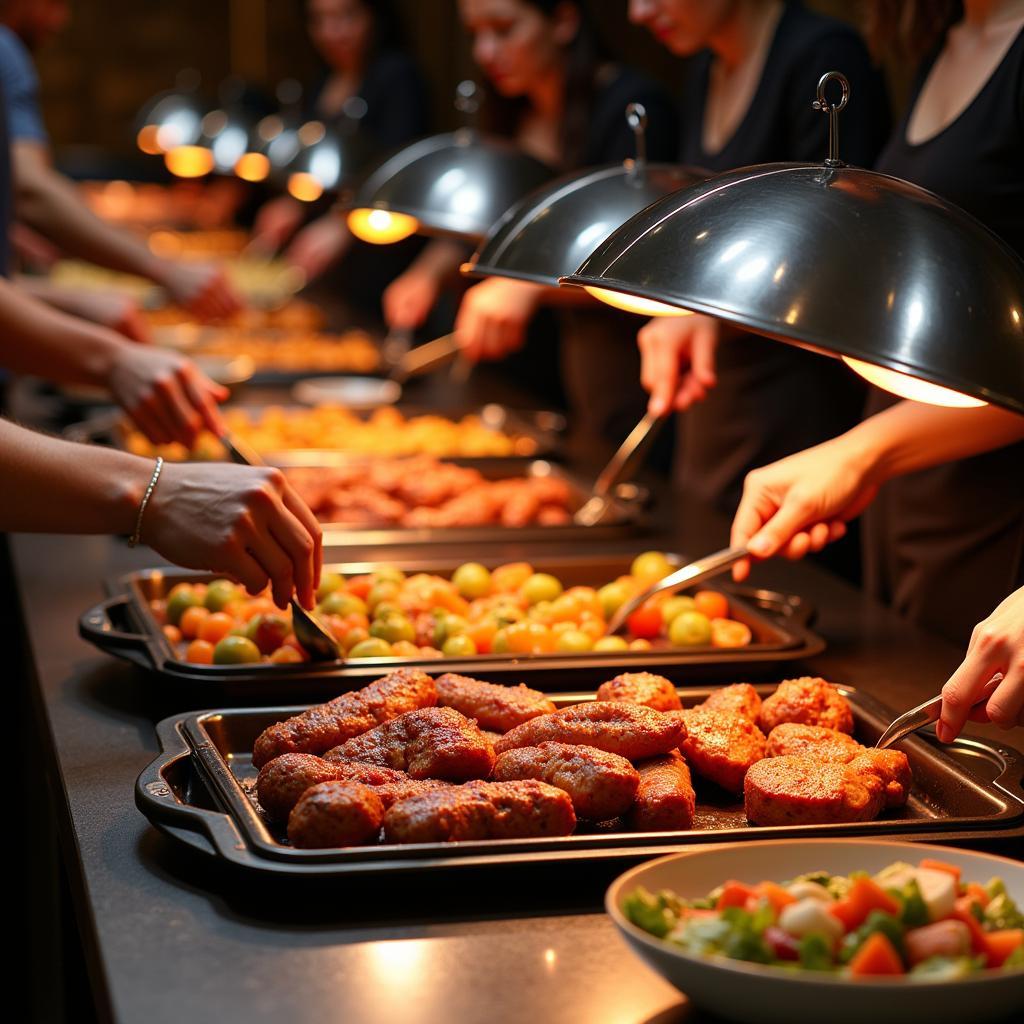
(472, 580)
(235, 650)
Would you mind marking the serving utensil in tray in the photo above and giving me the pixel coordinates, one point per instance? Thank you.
(925, 714)
(200, 790)
(124, 625)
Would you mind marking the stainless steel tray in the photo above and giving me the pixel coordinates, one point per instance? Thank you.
(198, 790)
(124, 626)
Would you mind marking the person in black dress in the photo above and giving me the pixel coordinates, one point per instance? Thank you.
(367, 76)
(747, 95)
(549, 85)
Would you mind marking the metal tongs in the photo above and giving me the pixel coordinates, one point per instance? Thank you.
(315, 639)
(688, 576)
(414, 362)
(596, 507)
(925, 714)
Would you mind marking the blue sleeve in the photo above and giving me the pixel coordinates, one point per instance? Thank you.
(20, 89)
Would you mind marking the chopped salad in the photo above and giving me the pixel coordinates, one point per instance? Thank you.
(924, 922)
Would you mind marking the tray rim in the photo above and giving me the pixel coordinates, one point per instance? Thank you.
(187, 734)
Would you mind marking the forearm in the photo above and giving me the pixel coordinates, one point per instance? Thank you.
(53, 207)
(911, 436)
(441, 259)
(36, 339)
(43, 290)
(63, 487)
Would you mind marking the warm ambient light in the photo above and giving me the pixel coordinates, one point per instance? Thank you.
(147, 140)
(914, 388)
(252, 167)
(634, 303)
(305, 187)
(381, 226)
(189, 161)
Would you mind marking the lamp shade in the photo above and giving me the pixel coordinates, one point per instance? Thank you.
(456, 184)
(327, 159)
(549, 232)
(844, 261)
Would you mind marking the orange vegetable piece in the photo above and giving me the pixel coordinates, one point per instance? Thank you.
(191, 619)
(863, 897)
(729, 633)
(876, 956)
(712, 604)
(774, 894)
(360, 586)
(941, 865)
(199, 652)
(962, 912)
(1002, 943)
(510, 577)
(734, 894)
(173, 634)
(977, 892)
(284, 655)
(215, 627)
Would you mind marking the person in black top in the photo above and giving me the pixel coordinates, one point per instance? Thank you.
(550, 86)
(747, 99)
(367, 76)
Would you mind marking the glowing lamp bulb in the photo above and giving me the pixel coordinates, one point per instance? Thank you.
(634, 303)
(189, 161)
(147, 140)
(382, 227)
(914, 388)
(305, 187)
(252, 167)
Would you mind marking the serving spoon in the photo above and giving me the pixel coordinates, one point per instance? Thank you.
(313, 636)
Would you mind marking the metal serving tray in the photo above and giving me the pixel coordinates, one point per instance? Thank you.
(624, 518)
(198, 790)
(123, 625)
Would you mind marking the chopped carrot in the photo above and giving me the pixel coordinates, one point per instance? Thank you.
(876, 956)
(962, 912)
(734, 894)
(863, 897)
(977, 893)
(774, 894)
(1002, 943)
(941, 865)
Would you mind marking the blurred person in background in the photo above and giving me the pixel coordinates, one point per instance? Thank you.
(48, 203)
(369, 75)
(551, 86)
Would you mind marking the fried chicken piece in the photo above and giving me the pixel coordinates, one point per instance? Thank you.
(811, 701)
(600, 785)
(335, 814)
(665, 800)
(815, 741)
(739, 698)
(482, 810)
(721, 746)
(630, 730)
(795, 790)
(494, 707)
(351, 714)
(433, 743)
(891, 768)
(641, 688)
(553, 515)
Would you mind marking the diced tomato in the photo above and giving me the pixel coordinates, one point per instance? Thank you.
(646, 622)
(876, 956)
(863, 897)
(1002, 943)
(781, 943)
(774, 894)
(734, 894)
(941, 865)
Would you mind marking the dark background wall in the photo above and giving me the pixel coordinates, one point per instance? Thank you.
(117, 53)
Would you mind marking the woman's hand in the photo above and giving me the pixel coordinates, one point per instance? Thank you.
(201, 288)
(493, 317)
(803, 502)
(994, 666)
(276, 222)
(244, 521)
(408, 300)
(120, 313)
(166, 395)
(318, 245)
(677, 360)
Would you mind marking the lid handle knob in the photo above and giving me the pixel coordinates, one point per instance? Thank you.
(636, 118)
(832, 109)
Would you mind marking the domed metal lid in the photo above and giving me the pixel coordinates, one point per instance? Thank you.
(841, 260)
(550, 231)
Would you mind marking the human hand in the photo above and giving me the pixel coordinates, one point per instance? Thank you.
(275, 223)
(803, 502)
(493, 317)
(317, 246)
(201, 288)
(244, 521)
(165, 394)
(677, 360)
(992, 669)
(120, 313)
(407, 301)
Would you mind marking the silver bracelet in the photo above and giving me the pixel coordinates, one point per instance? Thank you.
(136, 536)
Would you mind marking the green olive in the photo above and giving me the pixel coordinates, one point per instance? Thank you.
(375, 647)
(574, 641)
(690, 629)
(389, 574)
(392, 629)
(611, 643)
(650, 567)
(219, 593)
(675, 606)
(458, 647)
(329, 582)
(180, 600)
(541, 586)
(385, 590)
(613, 596)
(235, 650)
(472, 580)
(339, 602)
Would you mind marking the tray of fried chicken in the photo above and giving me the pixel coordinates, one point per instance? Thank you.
(412, 771)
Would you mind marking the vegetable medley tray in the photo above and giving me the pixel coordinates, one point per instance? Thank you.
(202, 790)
